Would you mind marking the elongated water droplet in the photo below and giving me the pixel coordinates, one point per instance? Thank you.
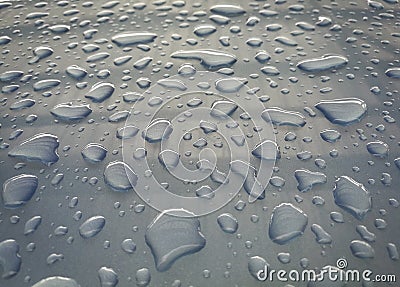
(322, 64)
(42, 147)
(10, 259)
(92, 226)
(343, 111)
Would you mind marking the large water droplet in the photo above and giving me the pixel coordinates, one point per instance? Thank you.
(70, 112)
(352, 196)
(281, 117)
(343, 111)
(287, 222)
(42, 147)
(306, 179)
(10, 259)
(57, 281)
(170, 238)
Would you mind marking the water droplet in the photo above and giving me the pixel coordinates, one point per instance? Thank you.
(10, 259)
(22, 104)
(92, 226)
(32, 224)
(323, 63)
(365, 233)
(142, 63)
(228, 223)
(361, 249)
(270, 71)
(286, 41)
(352, 196)
(128, 245)
(287, 222)
(227, 10)
(343, 111)
(306, 179)
(94, 152)
(143, 277)
(108, 277)
(100, 92)
(157, 131)
(10, 76)
(76, 72)
(70, 112)
(256, 264)
(330, 136)
(393, 73)
(223, 109)
(45, 84)
(321, 236)
(169, 158)
(57, 281)
(378, 149)
(172, 84)
(205, 192)
(208, 127)
(204, 30)
(18, 190)
(281, 117)
(267, 150)
(119, 176)
(127, 132)
(336, 217)
(133, 38)
(392, 251)
(41, 147)
(211, 59)
(170, 238)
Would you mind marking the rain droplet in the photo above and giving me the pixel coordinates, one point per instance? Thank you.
(18, 190)
(92, 226)
(228, 223)
(10, 259)
(94, 152)
(170, 238)
(133, 38)
(352, 196)
(57, 281)
(32, 224)
(108, 277)
(361, 249)
(70, 112)
(41, 147)
(100, 92)
(343, 111)
(157, 131)
(211, 59)
(119, 176)
(287, 222)
(323, 63)
(281, 117)
(306, 179)
(378, 149)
